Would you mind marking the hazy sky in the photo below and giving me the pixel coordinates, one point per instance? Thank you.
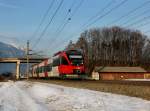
(19, 20)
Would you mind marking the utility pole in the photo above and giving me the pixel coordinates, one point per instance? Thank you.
(27, 59)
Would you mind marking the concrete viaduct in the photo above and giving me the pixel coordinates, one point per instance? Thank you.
(20, 60)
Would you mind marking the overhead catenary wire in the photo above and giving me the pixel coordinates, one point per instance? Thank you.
(145, 3)
(100, 17)
(99, 12)
(43, 19)
(64, 23)
(130, 12)
(77, 8)
(138, 21)
(67, 21)
(107, 13)
(147, 31)
(54, 39)
(59, 31)
(70, 17)
(144, 24)
(65, 18)
(135, 17)
(105, 7)
(49, 23)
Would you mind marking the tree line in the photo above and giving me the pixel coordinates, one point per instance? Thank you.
(114, 46)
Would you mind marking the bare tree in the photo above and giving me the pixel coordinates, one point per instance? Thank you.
(113, 46)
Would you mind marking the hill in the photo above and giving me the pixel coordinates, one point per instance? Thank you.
(6, 51)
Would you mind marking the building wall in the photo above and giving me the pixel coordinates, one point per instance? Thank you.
(147, 75)
(120, 76)
(95, 75)
(104, 76)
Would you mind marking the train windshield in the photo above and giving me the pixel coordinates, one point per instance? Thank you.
(76, 59)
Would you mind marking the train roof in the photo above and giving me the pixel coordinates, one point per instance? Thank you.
(71, 51)
(49, 60)
(119, 69)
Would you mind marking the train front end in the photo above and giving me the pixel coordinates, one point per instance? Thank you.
(72, 64)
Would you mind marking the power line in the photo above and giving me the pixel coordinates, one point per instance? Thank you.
(135, 17)
(109, 4)
(133, 10)
(130, 12)
(46, 27)
(61, 29)
(64, 25)
(144, 24)
(103, 15)
(77, 8)
(71, 16)
(108, 12)
(147, 31)
(43, 19)
(55, 39)
(99, 12)
(138, 21)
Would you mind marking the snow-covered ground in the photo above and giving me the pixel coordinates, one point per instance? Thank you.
(35, 96)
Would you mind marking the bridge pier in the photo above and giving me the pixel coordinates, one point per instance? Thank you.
(18, 70)
(18, 61)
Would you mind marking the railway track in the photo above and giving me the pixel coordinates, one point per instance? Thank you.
(119, 82)
(125, 82)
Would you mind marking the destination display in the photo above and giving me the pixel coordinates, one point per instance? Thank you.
(75, 56)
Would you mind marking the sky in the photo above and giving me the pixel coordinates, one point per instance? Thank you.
(20, 19)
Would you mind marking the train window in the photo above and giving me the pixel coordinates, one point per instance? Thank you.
(37, 70)
(56, 62)
(64, 61)
(40, 69)
(43, 69)
(49, 67)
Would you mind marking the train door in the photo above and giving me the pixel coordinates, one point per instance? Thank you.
(56, 64)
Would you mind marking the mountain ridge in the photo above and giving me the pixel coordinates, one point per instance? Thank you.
(9, 51)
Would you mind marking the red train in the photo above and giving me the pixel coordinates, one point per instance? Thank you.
(63, 64)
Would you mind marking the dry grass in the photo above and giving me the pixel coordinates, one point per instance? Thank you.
(5, 79)
(142, 91)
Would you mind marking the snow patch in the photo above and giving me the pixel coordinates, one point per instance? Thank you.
(35, 96)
